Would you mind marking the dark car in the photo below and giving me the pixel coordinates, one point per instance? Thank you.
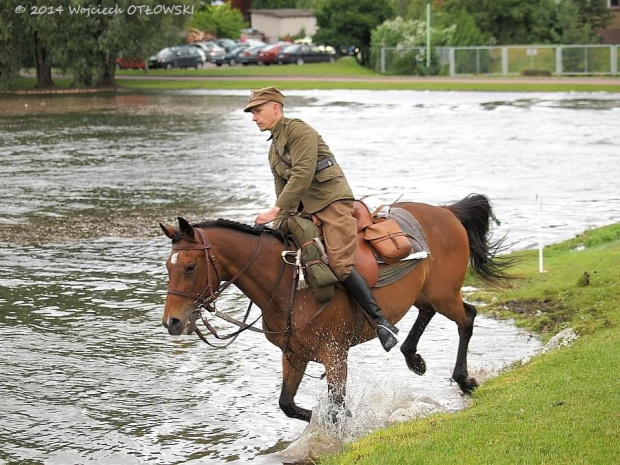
(228, 44)
(269, 54)
(211, 50)
(183, 56)
(249, 55)
(231, 57)
(130, 63)
(302, 53)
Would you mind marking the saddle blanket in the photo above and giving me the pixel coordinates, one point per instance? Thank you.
(389, 274)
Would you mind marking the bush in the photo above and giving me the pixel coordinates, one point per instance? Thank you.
(535, 72)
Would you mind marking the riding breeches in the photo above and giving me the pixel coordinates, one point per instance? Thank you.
(340, 236)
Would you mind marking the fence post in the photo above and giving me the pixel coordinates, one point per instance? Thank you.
(504, 61)
(613, 58)
(382, 60)
(451, 61)
(558, 60)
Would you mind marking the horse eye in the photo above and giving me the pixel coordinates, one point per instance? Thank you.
(190, 268)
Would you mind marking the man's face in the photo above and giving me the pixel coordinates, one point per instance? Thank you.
(266, 115)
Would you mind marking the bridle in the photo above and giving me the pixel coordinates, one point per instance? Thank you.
(207, 297)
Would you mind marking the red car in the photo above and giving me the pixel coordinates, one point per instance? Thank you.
(130, 63)
(269, 54)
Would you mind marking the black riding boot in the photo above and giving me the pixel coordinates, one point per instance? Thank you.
(361, 293)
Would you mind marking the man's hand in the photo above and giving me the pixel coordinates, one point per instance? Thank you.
(268, 216)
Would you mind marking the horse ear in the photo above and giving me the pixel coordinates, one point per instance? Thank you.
(168, 230)
(186, 228)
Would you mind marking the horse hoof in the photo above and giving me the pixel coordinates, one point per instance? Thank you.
(468, 385)
(416, 364)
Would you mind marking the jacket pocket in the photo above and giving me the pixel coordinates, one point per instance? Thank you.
(329, 173)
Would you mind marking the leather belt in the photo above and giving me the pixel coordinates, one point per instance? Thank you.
(325, 163)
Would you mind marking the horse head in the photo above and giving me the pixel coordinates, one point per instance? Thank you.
(191, 277)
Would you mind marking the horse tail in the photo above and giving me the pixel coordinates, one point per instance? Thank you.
(475, 214)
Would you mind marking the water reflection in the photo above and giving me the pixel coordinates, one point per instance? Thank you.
(90, 376)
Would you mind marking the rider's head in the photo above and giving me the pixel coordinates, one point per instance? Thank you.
(266, 106)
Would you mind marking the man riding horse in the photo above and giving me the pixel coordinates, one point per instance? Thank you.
(307, 176)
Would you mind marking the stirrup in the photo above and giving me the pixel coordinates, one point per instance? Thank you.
(394, 334)
(389, 339)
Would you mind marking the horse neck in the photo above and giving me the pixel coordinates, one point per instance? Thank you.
(236, 249)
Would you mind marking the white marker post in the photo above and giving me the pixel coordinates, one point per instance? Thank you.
(541, 268)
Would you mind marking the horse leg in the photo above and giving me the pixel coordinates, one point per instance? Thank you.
(336, 374)
(409, 348)
(292, 374)
(466, 328)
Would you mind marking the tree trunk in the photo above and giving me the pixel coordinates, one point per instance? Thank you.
(43, 65)
(107, 77)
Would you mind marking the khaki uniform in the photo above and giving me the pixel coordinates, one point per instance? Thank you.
(296, 149)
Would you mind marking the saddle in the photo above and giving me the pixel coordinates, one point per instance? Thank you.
(381, 240)
(407, 231)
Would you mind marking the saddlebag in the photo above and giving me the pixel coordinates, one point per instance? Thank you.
(388, 240)
(318, 274)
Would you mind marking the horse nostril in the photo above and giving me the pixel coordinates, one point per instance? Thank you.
(174, 324)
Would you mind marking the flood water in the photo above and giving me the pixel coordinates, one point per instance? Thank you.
(89, 375)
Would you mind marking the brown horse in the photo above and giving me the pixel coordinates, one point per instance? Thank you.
(207, 254)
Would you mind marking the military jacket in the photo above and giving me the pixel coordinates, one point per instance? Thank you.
(295, 150)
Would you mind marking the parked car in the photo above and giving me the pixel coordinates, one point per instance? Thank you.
(269, 54)
(227, 44)
(211, 50)
(303, 53)
(183, 56)
(249, 55)
(231, 57)
(130, 63)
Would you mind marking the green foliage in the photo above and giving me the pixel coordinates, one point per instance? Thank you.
(407, 36)
(83, 37)
(508, 22)
(349, 22)
(221, 21)
(466, 33)
(11, 43)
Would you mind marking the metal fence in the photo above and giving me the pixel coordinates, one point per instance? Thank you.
(559, 60)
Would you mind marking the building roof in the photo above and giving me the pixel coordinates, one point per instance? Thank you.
(283, 12)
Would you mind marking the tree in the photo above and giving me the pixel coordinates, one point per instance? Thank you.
(508, 21)
(221, 21)
(466, 32)
(12, 38)
(593, 14)
(407, 37)
(350, 22)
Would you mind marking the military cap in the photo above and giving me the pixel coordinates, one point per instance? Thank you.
(264, 95)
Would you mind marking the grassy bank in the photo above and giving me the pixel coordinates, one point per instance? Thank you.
(564, 406)
(345, 73)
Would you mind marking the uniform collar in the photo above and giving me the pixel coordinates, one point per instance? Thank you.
(277, 129)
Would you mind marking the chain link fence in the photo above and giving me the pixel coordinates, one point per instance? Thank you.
(558, 60)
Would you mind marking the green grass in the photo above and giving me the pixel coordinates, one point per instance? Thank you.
(345, 73)
(563, 407)
(548, 302)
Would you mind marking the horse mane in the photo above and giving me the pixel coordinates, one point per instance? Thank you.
(230, 224)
